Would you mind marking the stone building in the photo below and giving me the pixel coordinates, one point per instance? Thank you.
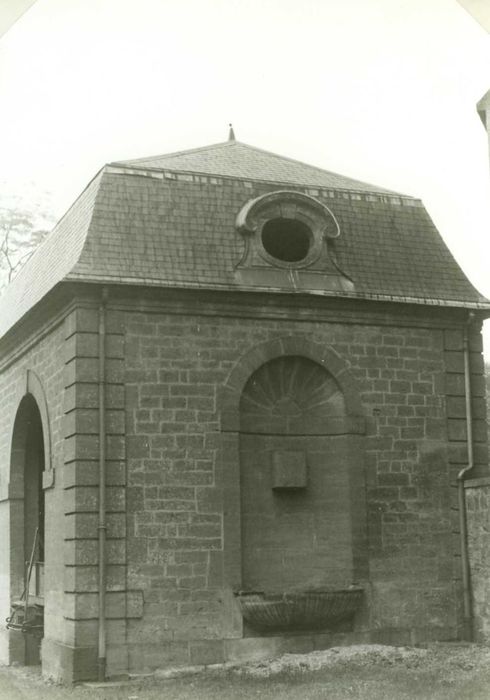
(234, 394)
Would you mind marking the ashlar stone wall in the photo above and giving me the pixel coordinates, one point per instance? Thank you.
(183, 501)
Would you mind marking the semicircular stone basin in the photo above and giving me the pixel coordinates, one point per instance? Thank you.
(309, 610)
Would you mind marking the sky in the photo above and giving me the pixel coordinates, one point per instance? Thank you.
(379, 90)
(479, 9)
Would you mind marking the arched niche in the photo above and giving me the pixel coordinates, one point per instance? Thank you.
(293, 467)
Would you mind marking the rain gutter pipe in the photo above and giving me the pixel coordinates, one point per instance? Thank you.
(102, 526)
(463, 524)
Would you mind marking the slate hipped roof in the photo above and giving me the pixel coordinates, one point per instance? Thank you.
(168, 221)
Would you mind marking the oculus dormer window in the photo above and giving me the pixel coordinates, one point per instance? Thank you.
(289, 243)
(286, 229)
(287, 240)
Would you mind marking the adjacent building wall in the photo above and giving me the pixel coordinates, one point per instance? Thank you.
(478, 508)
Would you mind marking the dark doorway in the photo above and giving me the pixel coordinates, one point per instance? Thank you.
(27, 529)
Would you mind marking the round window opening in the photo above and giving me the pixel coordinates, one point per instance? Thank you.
(288, 240)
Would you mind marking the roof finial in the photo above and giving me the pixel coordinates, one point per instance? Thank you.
(231, 135)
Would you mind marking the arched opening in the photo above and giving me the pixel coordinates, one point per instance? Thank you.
(301, 495)
(27, 531)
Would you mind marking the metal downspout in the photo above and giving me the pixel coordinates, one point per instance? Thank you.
(102, 526)
(463, 525)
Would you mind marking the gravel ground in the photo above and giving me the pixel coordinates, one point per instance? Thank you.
(361, 655)
(366, 672)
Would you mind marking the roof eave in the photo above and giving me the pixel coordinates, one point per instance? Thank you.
(482, 304)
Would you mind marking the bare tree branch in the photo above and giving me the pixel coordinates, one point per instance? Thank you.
(22, 229)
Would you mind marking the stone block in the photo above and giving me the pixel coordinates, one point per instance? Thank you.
(391, 636)
(138, 446)
(149, 657)
(477, 364)
(87, 345)
(117, 661)
(251, 648)
(85, 579)
(82, 633)
(67, 664)
(86, 421)
(456, 429)
(86, 370)
(81, 525)
(81, 396)
(288, 470)
(206, 652)
(458, 453)
(84, 606)
(119, 605)
(454, 362)
(453, 339)
(456, 407)
(86, 473)
(85, 552)
(300, 644)
(82, 320)
(85, 499)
